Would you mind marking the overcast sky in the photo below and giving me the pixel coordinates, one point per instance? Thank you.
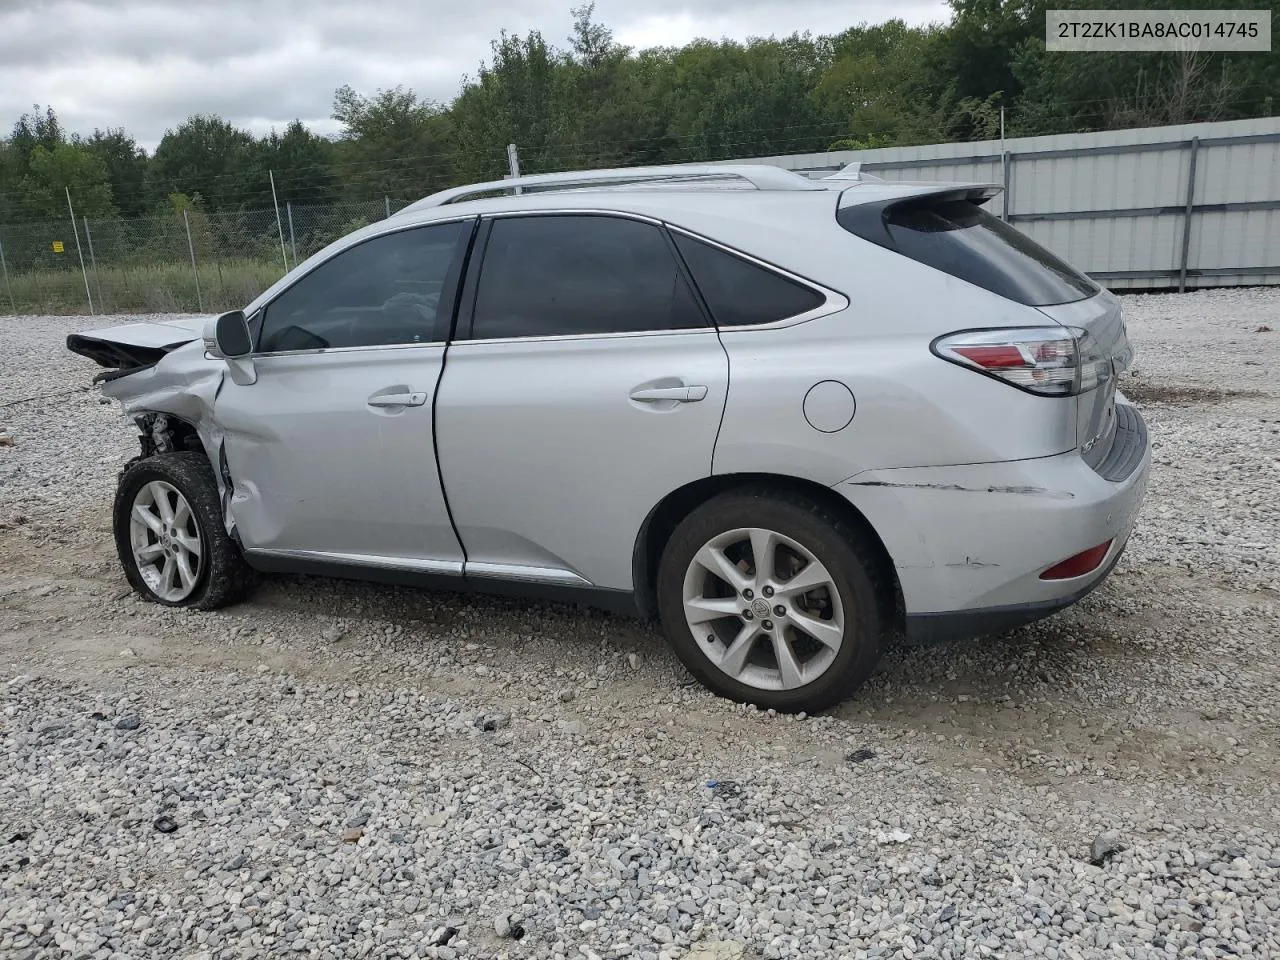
(146, 65)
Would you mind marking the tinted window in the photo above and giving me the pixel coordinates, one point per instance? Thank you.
(740, 292)
(384, 291)
(960, 238)
(559, 275)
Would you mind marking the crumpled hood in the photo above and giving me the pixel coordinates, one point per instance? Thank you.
(134, 345)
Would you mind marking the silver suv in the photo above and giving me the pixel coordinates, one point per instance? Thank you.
(792, 419)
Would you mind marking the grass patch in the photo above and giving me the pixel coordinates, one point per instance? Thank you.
(156, 288)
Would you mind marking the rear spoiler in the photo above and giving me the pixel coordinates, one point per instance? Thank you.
(869, 220)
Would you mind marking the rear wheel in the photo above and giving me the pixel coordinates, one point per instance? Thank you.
(170, 535)
(771, 599)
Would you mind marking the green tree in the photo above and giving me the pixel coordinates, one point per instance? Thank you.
(51, 172)
(514, 99)
(126, 166)
(302, 163)
(728, 99)
(877, 85)
(393, 144)
(603, 106)
(206, 156)
(35, 129)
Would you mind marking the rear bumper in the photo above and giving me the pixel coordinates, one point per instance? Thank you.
(969, 542)
(927, 628)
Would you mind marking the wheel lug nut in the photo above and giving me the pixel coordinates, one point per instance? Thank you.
(746, 615)
(768, 624)
(747, 594)
(780, 610)
(767, 591)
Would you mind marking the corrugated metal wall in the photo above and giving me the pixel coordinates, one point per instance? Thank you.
(1116, 204)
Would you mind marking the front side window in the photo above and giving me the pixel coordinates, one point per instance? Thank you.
(567, 275)
(388, 290)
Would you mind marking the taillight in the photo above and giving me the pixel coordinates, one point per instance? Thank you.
(1050, 361)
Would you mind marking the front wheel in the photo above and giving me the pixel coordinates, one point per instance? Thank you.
(170, 535)
(772, 599)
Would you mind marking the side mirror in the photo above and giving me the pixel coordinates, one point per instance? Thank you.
(231, 339)
(228, 338)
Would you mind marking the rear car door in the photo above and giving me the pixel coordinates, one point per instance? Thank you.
(331, 451)
(584, 384)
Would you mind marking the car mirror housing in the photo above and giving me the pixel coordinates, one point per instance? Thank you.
(227, 337)
(230, 338)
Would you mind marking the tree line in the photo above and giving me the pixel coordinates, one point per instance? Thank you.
(595, 102)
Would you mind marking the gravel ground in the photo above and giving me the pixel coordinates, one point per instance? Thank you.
(345, 770)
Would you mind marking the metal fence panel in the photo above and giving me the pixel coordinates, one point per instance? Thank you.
(1115, 203)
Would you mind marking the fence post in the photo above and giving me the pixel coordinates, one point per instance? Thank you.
(1006, 161)
(387, 202)
(13, 304)
(1186, 218)
(513, 163)
(93, 261)
(279, 226)
(293, 241)
(194, 272)
(84, 273)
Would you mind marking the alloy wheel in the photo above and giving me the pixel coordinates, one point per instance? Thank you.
(763, 608)
(166, 541)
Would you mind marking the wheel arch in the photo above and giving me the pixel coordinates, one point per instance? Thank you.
(663, 519)
(162, 432)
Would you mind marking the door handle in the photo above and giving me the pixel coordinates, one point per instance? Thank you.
(680, 394)
(398, 400)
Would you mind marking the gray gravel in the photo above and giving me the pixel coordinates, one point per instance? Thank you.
(336, 770)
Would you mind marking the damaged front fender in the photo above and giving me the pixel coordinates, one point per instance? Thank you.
(183, 384)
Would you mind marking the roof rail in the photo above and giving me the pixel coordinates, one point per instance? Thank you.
(761, 176)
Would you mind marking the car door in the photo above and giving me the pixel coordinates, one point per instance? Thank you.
(330, 450)
(584, 384)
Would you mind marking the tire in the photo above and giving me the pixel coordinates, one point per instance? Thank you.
(860, 611)
(218, 574)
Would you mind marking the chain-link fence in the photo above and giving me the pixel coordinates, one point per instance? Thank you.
(190, 261)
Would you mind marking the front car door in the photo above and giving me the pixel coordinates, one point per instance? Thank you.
(585, 384)
(330, 451)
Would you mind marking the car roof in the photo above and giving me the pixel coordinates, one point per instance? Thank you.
(667, 202)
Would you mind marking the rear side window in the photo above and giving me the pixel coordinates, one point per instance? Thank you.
(960, 238)
(739, 292)
(566, 275)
